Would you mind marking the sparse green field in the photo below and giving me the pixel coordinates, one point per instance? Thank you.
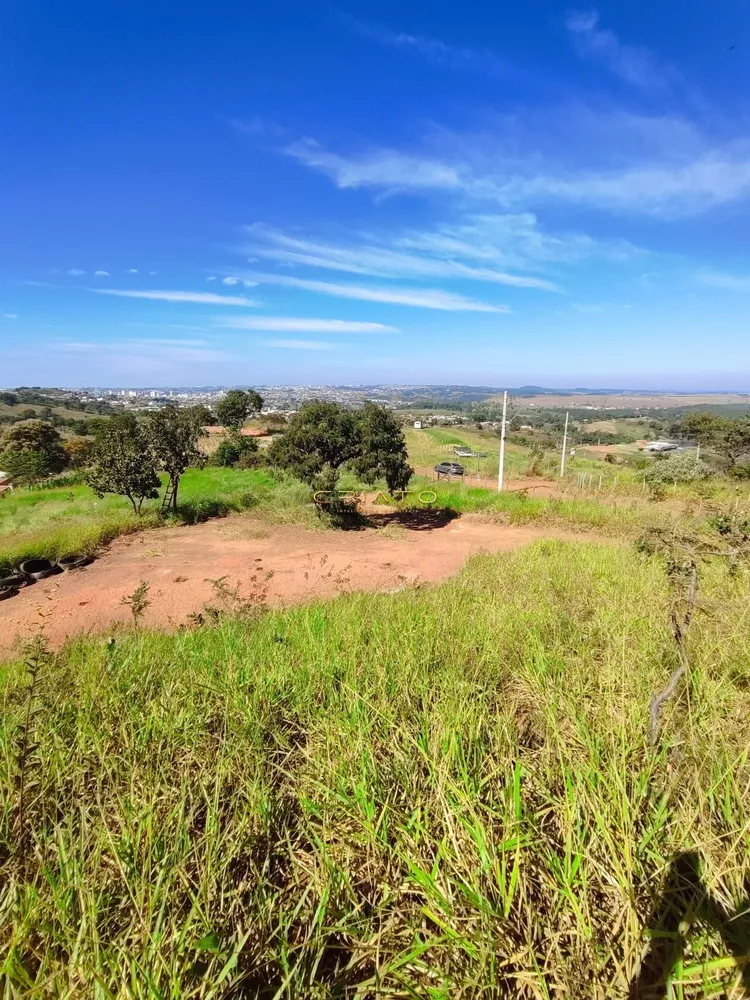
(431, 445)
(445, 792)
(53, 523)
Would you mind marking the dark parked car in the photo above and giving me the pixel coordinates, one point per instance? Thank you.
(449, 469)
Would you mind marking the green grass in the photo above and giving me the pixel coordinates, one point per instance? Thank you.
(442, 793)
(431, 445)
(66, 521)
(607, 515)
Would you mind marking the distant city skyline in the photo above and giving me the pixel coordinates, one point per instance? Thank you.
(376, 193)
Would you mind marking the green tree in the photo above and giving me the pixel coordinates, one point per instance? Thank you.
(734, 441)
(25, 468)
(382, 448)
(123, 462)
(234, 409)
(204, 416)
(80, 451)
(174, 436)
(703, 428)
(231, 450)
(320, 438)
(40, 438)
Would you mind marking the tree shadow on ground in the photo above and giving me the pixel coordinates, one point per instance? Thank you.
(685, 900)
(415, 518)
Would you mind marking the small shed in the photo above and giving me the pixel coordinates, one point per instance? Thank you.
(417, 425)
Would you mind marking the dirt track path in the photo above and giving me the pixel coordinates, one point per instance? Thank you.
(178, 564)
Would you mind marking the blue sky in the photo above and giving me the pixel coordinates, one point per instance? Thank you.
(487, 193)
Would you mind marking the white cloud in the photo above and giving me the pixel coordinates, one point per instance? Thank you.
(101, 274)
(433, 49)
(211, 278)
(75, 272)
(10, 315)
(157, 351)
(377, 168)
(298, 345)
(634, 64)
(132, 270)
(208, 298)
(475, 249)
(153, 272)
(230, 281)
(293, 324)
(424, 298)
(612, 161)
(733, 282)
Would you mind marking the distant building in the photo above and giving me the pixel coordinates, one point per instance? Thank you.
(417, 425)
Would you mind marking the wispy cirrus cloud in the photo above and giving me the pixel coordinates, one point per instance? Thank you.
(432, 49)
(614, 161)
(477, 249)
(423, 298)
(75, 272)
(634, 64)
(101, 274)
(732, 282)
(298, 345)
(157, 350)
(203, 298)
(9, 315)
(379, 167)
(294, 324)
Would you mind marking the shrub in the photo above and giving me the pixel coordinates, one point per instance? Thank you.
(678, 469)
(34, 438)
(232, 449)
(79, 451)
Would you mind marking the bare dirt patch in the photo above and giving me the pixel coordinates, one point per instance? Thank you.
(293, 563)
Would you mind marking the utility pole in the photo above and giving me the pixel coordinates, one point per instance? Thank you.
(501, 469)
(565, 447)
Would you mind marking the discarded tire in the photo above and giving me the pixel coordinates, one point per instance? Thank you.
(9, 582)
(37, 568)
(73, 562)
(7, 592)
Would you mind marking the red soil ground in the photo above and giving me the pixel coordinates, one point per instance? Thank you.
(290, 563)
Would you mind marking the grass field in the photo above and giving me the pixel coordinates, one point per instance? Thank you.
(431, 445)
(442, 793)
(53, 523)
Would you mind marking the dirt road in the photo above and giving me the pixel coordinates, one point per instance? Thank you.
(286, 563)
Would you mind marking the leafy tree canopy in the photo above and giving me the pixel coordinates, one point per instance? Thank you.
(39, 437)
(173, 436)
(123, 462)
(234, 409)
(322, 437)
(382, 448)
(25, 468)
(319, 439)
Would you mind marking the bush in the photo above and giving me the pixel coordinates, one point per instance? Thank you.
(678, 469)
(251, 460)
(79, 451)
(232, 450)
